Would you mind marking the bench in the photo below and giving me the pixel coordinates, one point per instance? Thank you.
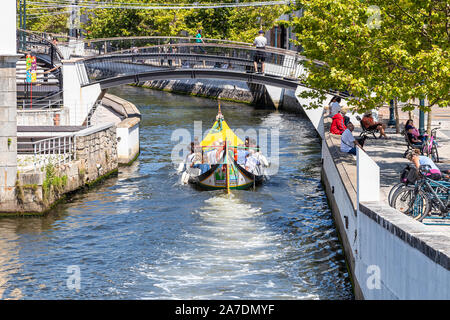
(409, 145)
(365, 132)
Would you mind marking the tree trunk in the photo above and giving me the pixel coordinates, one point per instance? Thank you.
(397, 117)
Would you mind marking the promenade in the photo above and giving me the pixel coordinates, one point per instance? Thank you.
(388, 154)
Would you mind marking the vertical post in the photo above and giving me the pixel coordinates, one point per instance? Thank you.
(392, 121)
(227, 167)
(422, 117)
(8, 105)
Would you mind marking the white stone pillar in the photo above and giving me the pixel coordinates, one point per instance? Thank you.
(8, 105)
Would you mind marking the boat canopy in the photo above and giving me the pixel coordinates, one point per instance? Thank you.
(220, 131)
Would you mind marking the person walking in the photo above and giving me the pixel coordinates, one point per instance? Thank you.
(260, 56)
(199, 41)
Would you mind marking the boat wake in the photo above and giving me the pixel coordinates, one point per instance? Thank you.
(230, 249)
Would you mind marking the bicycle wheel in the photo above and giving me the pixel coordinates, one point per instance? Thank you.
(421, 207)
(402, 199)
(393, 190)
(434, 154)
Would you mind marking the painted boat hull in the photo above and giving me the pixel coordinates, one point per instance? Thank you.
(215, 178)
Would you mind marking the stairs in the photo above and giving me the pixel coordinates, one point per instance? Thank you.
(47, 84)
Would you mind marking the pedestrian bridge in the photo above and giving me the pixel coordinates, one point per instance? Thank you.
(117, 61)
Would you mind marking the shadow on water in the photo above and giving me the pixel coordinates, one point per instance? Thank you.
(143, 235)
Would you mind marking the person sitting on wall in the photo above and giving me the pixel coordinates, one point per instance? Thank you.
(338, 126)
(369, 124)
(348, 141)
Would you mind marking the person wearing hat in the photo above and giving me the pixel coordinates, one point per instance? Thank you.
(260, 56)
(369, 123)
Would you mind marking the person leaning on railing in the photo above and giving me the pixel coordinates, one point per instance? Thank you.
(260, 56)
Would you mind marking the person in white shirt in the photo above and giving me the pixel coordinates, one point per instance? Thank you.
(260, 56)
(261, 158)
(335, 107)
(348, 141)
(252, 163)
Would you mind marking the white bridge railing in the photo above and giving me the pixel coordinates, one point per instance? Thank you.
(55, 150)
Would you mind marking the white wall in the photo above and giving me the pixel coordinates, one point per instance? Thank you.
(128, 143)
(344, 203)
(404, 271)
(78, 100)
(8, 28)
(386, 266)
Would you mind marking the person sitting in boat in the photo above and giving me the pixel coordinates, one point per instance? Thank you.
(252, 164)
(260, 157)
(189, 160)
(241, 155)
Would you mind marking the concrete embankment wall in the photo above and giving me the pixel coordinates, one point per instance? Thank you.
(95, 158)
(237, 91)
(339, 181)
(128, 146)
(389, 255)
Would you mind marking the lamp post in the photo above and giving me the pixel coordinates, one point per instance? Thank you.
(392, 121)
(422, 117)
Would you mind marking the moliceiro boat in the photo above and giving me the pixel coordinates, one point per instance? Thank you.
(223, 161)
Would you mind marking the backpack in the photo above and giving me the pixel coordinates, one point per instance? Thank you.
(409, 175)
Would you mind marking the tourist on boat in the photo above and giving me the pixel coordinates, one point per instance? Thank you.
(419, 160)
(348, 141)
(251, 163)
(241, 155)
(260, 157)
(338, 126)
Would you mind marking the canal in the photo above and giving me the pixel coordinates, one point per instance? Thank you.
(142, 235)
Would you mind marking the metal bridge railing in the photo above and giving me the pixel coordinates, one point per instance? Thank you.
(30, 42)
(209, 56)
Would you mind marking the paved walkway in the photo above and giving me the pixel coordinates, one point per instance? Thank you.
(388, 154)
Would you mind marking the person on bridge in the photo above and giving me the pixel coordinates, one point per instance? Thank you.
(260, 56)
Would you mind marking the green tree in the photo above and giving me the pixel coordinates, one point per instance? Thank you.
(377, 50)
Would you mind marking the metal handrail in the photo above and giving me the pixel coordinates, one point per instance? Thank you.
(230, 43)
(29, 42)
(55, 150)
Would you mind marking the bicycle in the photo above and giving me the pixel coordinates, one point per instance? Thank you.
(407, 177)
(430, 146)
(424, 197)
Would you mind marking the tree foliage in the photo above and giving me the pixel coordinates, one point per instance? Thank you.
(377, 50)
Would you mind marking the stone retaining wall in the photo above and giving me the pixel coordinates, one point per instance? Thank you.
(96, 158)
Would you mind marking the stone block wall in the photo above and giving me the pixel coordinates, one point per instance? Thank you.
(36, 192)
